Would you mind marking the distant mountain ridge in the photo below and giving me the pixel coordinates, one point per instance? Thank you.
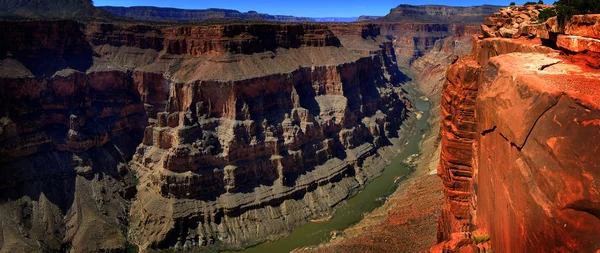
(50, 9)
(440, 14)
(160, 13)
(368, 18)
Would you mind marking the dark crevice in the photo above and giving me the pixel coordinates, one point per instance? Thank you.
(549, 65)
(512, 144)
(586, 206)
(535, 123)
(485, 132)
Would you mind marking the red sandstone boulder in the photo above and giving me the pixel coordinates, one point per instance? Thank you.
(584, 25)
(487, 32)
(578, 44)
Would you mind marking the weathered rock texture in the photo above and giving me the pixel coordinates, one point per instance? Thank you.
(514, 22)
(233, 134)
(518, 146)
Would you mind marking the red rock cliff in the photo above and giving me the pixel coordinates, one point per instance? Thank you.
(518, 144)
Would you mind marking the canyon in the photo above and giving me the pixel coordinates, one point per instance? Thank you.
(127, 135)
(118, 135)
(150, 149)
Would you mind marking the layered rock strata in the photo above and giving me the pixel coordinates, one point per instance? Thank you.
(233, 134)
(439, 14)
(517, 146)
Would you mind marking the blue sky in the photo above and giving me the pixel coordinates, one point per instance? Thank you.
(301, 8)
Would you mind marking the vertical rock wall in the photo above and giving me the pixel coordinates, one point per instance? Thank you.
(518, 148)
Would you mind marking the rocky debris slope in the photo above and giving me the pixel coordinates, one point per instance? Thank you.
(518, 137)
(514, 22)
(182, 137)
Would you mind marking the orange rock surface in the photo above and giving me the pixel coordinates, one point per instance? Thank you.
(519, 142)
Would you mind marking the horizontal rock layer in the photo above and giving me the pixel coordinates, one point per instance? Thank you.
(439, 14)
(223, 128)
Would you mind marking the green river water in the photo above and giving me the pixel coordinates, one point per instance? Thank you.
(365, 201)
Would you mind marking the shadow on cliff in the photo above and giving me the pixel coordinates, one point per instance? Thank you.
(53, 175)
(44, 63)
(46, 47)
(397, 77)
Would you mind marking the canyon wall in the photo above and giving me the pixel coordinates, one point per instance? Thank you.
(193, 136)
(439, 14)
(518, 141)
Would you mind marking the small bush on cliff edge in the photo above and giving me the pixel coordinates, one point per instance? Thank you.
(545, 14)
(480, 238)
(530, 3)
(512, 4)
(567, 8)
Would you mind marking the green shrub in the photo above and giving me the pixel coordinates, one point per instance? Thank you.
(480, 238)
(546, 14)
(567, 8)
(512, 4)
(541, 2)
(530, 3)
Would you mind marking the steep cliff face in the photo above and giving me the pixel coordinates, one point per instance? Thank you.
(66, 139)
(414, 40)
(518, 140)
(182, 137)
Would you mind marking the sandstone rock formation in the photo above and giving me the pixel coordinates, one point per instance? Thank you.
(514, 22)
(182, 137)
(518, 142)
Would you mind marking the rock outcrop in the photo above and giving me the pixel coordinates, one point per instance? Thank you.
(518, 140)
(182, 137)
(514, 22)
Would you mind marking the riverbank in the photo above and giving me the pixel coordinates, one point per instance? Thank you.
(407, 221)
(387, 166)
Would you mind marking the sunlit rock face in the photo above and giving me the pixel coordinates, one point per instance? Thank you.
(518, 133)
